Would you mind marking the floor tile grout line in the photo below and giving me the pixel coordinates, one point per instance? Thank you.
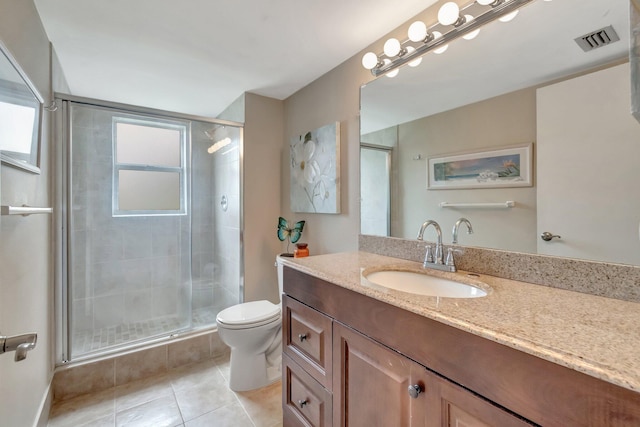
(243, 408)
(175, 398)
(115, 414)
(236, 396)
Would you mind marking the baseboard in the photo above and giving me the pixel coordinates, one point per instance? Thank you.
(45, 407)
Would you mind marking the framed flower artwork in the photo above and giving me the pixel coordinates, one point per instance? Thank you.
(315, 170)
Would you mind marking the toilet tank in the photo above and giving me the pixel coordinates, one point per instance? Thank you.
(279, 266)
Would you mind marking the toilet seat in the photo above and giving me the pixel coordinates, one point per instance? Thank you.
(249, 315)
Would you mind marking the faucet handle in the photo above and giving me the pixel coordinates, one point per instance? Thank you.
(450, 260)
(21, 344)
(428, 256)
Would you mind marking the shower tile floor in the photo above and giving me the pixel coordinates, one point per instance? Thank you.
(192, 396)
(85, 342)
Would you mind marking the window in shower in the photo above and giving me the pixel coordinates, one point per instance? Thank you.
(149, 167)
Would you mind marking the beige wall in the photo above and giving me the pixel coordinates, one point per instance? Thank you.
(333, 97)
(26, 285)
(262, 153)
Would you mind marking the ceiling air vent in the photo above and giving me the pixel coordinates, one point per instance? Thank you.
(597, 39)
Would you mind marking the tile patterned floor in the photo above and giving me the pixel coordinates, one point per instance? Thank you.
(87, 342)
(192, 396)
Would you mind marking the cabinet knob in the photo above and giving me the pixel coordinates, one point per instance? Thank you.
(415, 390)
(302, 403)
(303, 337)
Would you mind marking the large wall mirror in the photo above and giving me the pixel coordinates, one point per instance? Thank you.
(525, 83)
(20, 116)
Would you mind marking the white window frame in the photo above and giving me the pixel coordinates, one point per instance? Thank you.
(185, 130)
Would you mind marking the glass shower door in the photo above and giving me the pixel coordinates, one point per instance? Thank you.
(129, 228)
(216, 219)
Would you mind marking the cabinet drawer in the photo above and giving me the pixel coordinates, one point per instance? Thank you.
(308, 339)
(305, 401)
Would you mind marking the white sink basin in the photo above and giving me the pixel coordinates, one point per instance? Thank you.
(423, 284)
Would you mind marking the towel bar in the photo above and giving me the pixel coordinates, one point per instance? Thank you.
(24, 210)
(507, 204)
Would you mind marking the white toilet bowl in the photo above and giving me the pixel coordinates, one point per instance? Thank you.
(253, 331)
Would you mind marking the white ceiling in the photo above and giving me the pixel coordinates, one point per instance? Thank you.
(198, 56)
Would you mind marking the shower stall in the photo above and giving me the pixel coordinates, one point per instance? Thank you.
(152, 225)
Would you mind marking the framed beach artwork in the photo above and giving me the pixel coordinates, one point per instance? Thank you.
(499, 167)
(315, 170)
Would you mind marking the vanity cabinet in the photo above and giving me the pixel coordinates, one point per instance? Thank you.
(376, 386)
(304, 401)
(360, 356)
(307, 365)
(371, 383)
(307, 339)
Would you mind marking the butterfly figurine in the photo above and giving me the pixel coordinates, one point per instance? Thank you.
(292, 233)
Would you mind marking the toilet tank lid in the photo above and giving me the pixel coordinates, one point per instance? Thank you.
(249, 312)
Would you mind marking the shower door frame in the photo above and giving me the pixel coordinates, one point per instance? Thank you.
(63, 199)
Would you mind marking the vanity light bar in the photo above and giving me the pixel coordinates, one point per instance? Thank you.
(481, 14)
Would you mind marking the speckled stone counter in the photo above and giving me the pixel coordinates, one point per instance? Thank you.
(591, 334)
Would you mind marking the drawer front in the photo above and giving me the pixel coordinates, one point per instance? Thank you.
(304, 402)
(308, 339)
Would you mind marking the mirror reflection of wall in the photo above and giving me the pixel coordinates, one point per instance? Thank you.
(20, 114)
(579, 121)
(375, 193)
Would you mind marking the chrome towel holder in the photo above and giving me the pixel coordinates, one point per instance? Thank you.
(23, 210)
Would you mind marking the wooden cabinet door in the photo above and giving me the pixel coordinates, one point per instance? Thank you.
(452, 405)
(371, 382)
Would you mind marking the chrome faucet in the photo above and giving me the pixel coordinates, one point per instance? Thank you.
(21, 344)
(431, 260)
(457, 226)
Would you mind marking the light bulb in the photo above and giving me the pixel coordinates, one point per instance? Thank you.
(508, 17)
(369, 60)
(473, 34)
(415, 62)
(417, 31)
(485, 2)
(393, 73)
(441, 49)
(391, 47)
(449, 13)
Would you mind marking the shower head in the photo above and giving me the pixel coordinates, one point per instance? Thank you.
(210, 133)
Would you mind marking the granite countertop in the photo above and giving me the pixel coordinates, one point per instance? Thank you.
(594, 335)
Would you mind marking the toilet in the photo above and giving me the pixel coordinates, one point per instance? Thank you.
(253, 331)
